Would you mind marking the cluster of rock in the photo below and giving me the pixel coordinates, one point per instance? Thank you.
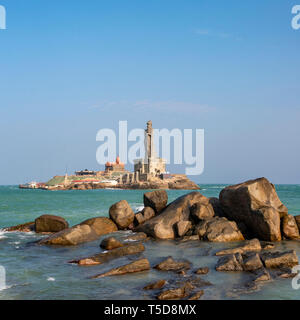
(251, 210)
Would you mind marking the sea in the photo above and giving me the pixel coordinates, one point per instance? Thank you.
(35, 272)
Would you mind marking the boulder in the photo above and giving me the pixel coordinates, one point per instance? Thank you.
(276, 260)
(157, 200)
(146, 214)
(173, 294)
(202, 210)
(89, 230)
(218, 211)
(289, 227)
(111, 243)
(256, 204)
(104, 257)
(252, 262)
(171, 265)
(156, 285)
(163, 225)
(136, 266)
(248, 246)
(50, 223)
(183, 227)
(233, 262)
(122, 214)
(204, 270)
(25, 227)
(218, 230)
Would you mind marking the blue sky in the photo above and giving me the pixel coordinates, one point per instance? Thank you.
(69, 68)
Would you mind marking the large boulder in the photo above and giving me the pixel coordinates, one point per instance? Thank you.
(289, 227)
(183, 227)
(89, 230)
(50, 223)
(202, 209)
(122, 214)
(163, 225)
(136, 266)
(157, 200)
(219, 230)
(256, 204)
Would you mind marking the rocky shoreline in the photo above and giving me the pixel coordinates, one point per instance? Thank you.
(250, 214)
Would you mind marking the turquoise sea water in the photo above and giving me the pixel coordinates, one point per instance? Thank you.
(41, 272)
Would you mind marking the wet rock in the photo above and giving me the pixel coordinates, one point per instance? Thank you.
(202, 209)
(297, 218)
(183, 227)
(289, 227)
(173, 294)
(104, 257)
(252, 262)
(190, 238)
(89, 230)
(218, 230)
(146, 214)
(267, 245)
(182, 273)
(139, 236)
(157, 200)
(285, 273)
(156, 285)
(163, 225)
(256, 204)
(204, 270)
(50, 223)
(111, 243)
(122, 214)
(262, 275)
(247, 246)
(171, 265)
(25, 227)
(275, 260)
(197, 295)
(136, 266)
(233, 262)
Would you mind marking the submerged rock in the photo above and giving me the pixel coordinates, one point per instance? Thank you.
(136, 266)
(122, 214)
(249, 245)
(171, 265)
(289, 227)
(233, 262)
(156, 285)
(218, 230)
(111, 243)
(157, 200)
(103, 257)
(89, 230)
(163, 225)
(256, 204)
(197, 295)
(173, 294)
(50, 223)
(139, 236)
(275, 260)
(204, 270)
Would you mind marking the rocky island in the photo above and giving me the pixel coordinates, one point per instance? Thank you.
(149, 173)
